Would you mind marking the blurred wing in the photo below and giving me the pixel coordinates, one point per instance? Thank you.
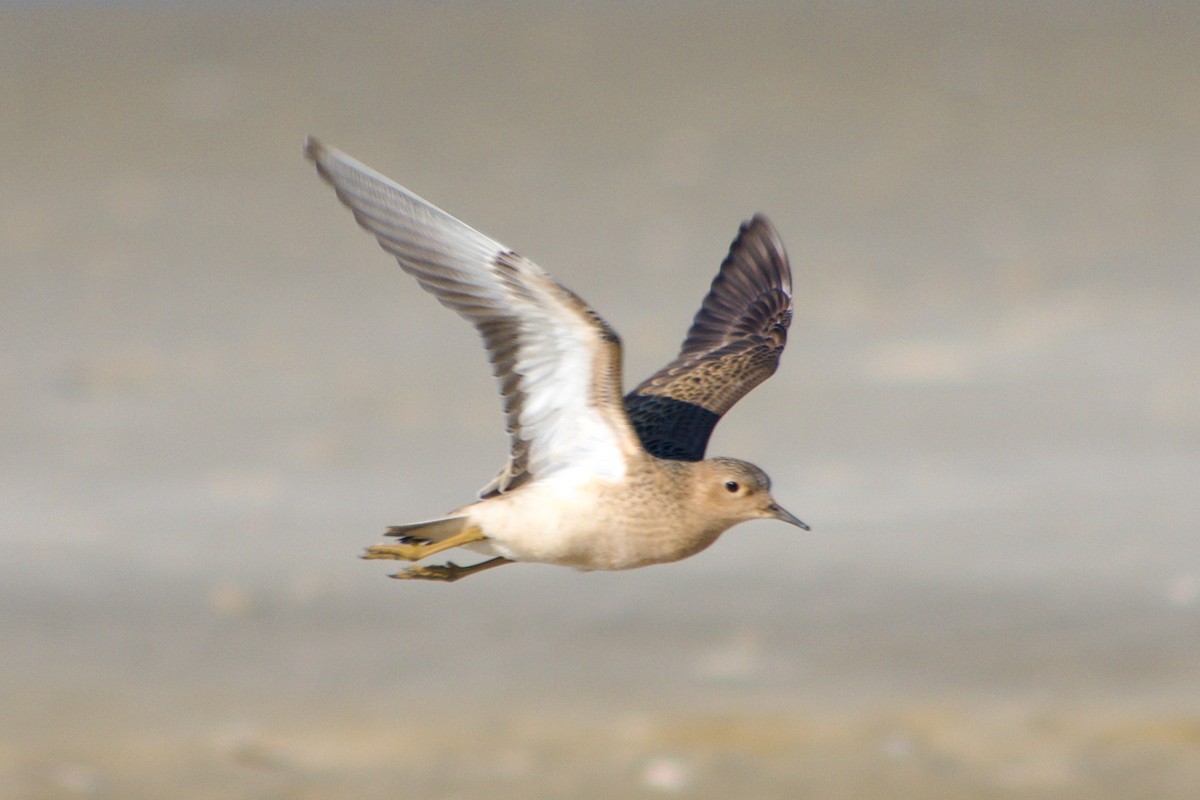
(557, 362)
(734, 344)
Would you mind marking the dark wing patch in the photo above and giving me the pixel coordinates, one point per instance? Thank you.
(734, 344)
(670, 428)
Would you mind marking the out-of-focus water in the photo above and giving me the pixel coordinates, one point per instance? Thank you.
(216, 390)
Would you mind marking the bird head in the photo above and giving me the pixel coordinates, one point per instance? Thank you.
(738, 491)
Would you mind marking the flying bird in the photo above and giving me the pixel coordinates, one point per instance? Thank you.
(594, 480)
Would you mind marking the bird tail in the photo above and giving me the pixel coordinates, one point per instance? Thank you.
(433, 530)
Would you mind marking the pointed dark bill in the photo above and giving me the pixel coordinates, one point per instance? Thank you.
(786, 516)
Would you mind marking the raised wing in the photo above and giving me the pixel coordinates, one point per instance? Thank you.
(557, 362)
(734, 344)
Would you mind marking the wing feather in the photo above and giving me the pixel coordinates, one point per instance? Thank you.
(733, 345)
(557, 362)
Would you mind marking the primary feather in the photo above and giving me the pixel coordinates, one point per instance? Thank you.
(557, 361)
(734, 344)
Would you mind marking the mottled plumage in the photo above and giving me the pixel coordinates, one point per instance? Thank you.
(734, 344)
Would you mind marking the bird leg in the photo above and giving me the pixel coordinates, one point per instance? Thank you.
(449, 572)
(415, 552)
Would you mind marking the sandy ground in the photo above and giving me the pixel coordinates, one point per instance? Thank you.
(216, 390)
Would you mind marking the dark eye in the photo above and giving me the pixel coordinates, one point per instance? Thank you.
(732, 486)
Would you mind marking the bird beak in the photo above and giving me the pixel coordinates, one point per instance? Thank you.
(779, 513)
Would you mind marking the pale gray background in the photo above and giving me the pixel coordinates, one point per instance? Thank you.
(216, 390)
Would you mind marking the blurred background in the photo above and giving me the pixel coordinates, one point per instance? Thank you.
(216, 390)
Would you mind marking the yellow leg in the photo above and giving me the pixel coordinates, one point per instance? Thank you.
(415, 552)
(449, 572)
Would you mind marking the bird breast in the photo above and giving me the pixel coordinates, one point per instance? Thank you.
(595, 524)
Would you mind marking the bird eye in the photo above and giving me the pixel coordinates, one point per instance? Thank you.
(732, 486)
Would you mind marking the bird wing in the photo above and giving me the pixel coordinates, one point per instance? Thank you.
(734, 344)
(558, 363)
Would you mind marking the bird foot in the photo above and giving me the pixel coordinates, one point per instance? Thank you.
(448, 572)
(396, 552)
(415, 552)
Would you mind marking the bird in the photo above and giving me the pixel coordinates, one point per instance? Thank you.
(594, 480)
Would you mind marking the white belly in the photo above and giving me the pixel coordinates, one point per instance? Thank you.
(555, 523)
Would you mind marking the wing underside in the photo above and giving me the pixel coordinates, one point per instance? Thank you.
(557, 362)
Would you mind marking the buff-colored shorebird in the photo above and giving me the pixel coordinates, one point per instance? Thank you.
(593, 480)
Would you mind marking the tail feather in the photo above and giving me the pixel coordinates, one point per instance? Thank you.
(433, 530)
